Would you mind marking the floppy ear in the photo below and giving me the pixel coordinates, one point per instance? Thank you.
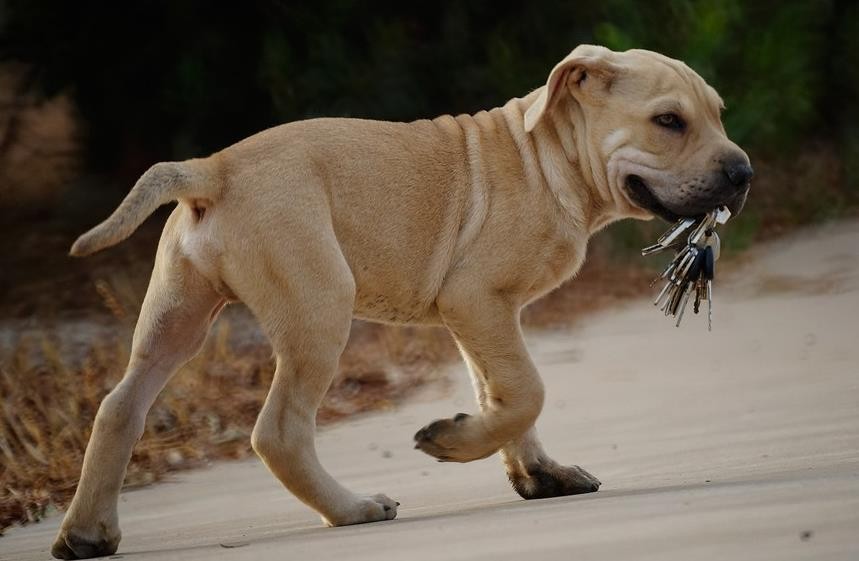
(588, 66)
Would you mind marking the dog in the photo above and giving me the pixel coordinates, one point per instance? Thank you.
(455, 221)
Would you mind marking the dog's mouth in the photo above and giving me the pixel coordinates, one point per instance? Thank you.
(640, 195)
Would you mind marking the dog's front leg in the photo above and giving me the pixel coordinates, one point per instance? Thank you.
(487, 331)
(535, 475)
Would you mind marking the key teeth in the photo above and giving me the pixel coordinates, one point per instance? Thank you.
(661, 294)
(686, 293)
(709, 305)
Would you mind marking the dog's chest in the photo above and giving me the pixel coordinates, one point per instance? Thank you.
(552, 266)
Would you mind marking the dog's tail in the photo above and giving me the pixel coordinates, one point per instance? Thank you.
(161, 184)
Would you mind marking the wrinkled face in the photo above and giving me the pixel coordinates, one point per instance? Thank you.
(655, 130)
(668, 148)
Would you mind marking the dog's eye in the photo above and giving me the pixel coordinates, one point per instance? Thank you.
(670, 121)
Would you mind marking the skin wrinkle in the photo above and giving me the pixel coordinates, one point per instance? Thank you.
(628, 161)
(534, 150)
(463, 225)
(473, 211)
(526, 146)
(703, 92)
(615, 139)
(565, 133)
(594, 173)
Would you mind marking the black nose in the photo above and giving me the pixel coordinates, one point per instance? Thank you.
(739, 173)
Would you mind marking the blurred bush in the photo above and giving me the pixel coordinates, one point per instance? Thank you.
(39, 148)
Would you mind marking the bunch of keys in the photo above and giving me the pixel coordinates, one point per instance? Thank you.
(693, 267)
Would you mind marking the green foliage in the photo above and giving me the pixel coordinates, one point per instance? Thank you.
(743, 231)
(765, 58)
(173, 79)
(203, 75)
(844, 71)
(165, 80)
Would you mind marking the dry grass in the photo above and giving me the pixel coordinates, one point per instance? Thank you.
(48, 400)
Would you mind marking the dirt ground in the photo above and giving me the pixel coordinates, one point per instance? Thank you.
(742, 443)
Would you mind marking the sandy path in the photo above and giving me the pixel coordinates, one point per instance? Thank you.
(753, 454)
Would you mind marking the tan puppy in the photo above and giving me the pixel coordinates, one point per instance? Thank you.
(459, 221)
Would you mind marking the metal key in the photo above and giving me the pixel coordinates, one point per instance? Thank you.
(685, 283)
(677, 283)
(700, 293)
(682, 304)
(708, 270)
(712, 239)
(691, 282)
(672, 273)
(693, 267)
(670, 267)
(722, 215)
(667, 239)
(707, 224)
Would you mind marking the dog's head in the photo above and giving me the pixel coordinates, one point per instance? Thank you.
(652, 132)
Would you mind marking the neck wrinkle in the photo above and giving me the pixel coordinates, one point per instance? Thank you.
(534, 153)
(558, 151)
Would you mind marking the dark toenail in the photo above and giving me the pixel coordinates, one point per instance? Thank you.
(387, 508)
(461, 416)
(398, 503)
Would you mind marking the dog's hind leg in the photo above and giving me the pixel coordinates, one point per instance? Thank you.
(303, 294)
(176, 314)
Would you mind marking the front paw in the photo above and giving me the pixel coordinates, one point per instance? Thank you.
(545, 480)
(460, 439)
(73, 544)
(366, 509)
